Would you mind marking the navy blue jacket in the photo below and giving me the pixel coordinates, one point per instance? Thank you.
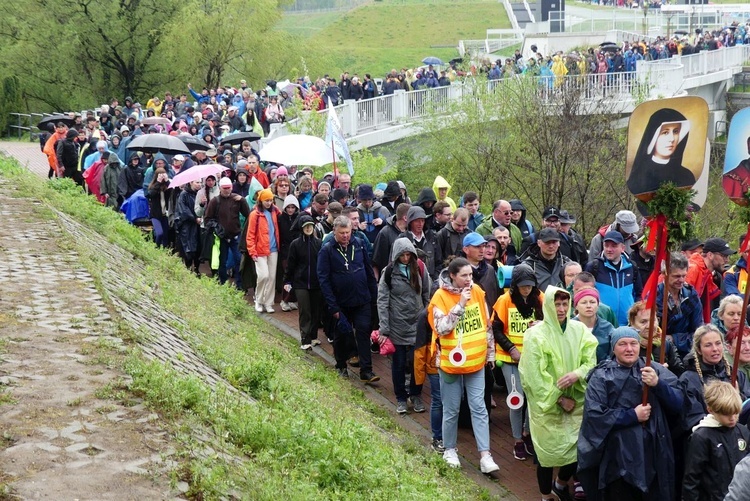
(682, 322)
(346, 286)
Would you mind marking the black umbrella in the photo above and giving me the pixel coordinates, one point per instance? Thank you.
(154, 143)
(53, 119)
(193, 143)
(609, 48)
(238, 137)
(680, 32)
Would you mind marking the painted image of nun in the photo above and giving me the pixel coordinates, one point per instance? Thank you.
(659, 156)
(736, 182)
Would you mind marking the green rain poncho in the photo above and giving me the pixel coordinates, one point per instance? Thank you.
(549, 354)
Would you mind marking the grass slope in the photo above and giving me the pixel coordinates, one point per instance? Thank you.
(380, 36)
(310, 435)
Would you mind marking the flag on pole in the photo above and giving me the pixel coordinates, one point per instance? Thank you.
(335, 135)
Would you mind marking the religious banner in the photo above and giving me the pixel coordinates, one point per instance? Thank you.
(666, 143)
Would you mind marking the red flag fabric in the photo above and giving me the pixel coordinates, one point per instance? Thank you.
(657, 239)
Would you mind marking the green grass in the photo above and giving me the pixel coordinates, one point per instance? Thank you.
(309, 436)
(407, 32)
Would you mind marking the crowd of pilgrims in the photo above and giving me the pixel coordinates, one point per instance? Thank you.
(461, 301)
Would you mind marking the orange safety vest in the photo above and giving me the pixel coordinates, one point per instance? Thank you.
(515, 325)
(471, 329)
(741, 280)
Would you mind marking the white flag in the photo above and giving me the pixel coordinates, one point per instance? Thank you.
(335, 135)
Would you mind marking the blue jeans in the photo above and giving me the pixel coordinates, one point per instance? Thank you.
(398, 372)
(229, 249)
(451, 391)
(436, 407)
(519, 418)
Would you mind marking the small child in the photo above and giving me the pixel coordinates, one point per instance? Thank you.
(717, 444)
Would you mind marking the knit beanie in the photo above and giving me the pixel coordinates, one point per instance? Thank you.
(264, 195)
(588, 292)
(621, 333)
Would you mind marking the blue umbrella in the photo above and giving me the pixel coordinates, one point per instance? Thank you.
(432, 60)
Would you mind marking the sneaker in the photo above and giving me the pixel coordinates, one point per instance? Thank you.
(451, 457)
(417, 404)
(354, 361)
(258, 308)
(368, 377)
(562, 494)
(487, 464)
(315, 342)
(343, 372)
(437, 445)
(330, 340)
(578, 492)
(401, 407)
(519, 451)
(529, 445)
(293, 306)
(269, 308)
(285, 306)
(306, 346)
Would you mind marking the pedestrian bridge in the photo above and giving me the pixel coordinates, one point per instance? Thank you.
(385, 119)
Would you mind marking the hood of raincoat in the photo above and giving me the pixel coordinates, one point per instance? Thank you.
(255, 187)
(426, 195)
(548, 307)
(290, 200)
(401, 246)
(440, 182)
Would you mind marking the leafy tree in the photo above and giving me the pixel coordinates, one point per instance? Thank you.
(78, 51)
(521, 140)
(222, 41)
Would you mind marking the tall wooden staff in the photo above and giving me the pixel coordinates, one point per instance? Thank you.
(743, 315)
(657, 239)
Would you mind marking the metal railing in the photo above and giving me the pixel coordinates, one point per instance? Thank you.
(25, 122)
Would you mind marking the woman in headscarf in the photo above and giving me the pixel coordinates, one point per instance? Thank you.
(659, 156)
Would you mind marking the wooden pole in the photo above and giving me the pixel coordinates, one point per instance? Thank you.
(652, 315)
(664, 313)
(743, 318)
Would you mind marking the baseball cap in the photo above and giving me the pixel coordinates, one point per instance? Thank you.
(627, 221)
(691, 245)
(179, 158)
(549, 234)
(566, 217)
(225, 182)
(473, 239)
(551, 212)
(718, 246)
(613, 236)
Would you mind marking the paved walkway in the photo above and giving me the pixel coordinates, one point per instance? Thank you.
(518, 477)
(68, 428)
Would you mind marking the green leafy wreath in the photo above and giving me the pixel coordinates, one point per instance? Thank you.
(676, 205)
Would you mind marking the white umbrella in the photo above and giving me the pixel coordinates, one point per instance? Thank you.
(298, 149)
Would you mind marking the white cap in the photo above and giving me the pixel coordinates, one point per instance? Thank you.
(225, 182)
(179, 158)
